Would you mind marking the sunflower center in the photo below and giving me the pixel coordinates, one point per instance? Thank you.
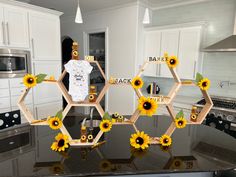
(147, 105)
(180, 122)
(165, 140)
(55, 123)
(139, 140)
(172, 61)
(137, 82)
(30, 80)
(105, 125)
(61, 143)
(204, 84)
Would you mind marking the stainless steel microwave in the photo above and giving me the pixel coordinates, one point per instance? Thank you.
(14, 63)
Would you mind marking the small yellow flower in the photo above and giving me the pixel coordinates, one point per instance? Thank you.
(30, 80)
(137, 83)
(105, 125)
(165, 140)
(91, 97)
(180, 122)
(204, 84)
(147, 106)
(139, 140)
(172, 61)
(61, 143)
(54, 123)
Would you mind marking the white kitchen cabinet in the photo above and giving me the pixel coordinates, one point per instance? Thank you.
(14, 27)
(169, 44)
(45, 36)
(16, 20)
(2, 28)
(152, 49)
(189, 43)
(47, 92)
(49, 109)
(181, 42)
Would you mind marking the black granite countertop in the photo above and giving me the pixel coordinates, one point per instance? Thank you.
(196, 148)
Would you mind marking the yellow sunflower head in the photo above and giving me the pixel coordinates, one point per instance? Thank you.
(165, 140)
(147, 106)
(139, 140)
(54, 123)
(137, 83)
(172, 61)
(61, 143)
(30, 80)
(105, 125)
(180, 122)
(204, 84)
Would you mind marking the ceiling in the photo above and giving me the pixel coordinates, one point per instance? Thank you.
(69, 6)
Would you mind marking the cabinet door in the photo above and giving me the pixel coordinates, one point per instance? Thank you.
(47, 92)
(16, 23)
(2, 28)
(189, 52)
(152, 49)
(45, 36)
(169, 44)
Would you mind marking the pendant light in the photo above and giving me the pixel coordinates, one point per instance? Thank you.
(78, 17)
(146, 18)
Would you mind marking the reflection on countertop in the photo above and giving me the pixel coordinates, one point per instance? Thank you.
(197, 148)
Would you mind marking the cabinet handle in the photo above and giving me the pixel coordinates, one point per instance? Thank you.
(194, 69)
(8, 36)
(32, 45)
(3, 34)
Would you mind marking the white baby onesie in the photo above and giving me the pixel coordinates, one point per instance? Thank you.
(79, 71)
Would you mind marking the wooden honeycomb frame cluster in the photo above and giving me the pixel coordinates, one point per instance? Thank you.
(167, 101)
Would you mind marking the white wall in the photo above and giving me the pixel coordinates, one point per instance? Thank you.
(122, 40)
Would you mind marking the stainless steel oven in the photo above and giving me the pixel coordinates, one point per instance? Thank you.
(14, 63)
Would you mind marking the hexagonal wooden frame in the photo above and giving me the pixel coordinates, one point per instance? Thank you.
(169, 99)
(167, 102)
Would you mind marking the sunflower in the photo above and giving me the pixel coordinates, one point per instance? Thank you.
(139, 140)
(165, 140)
(105, 125)
(54, 123)
(137, 82)
(180, 122)
(204, 84)
(30, 80)
(172, 61)
(147, 106)
(61, 143)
